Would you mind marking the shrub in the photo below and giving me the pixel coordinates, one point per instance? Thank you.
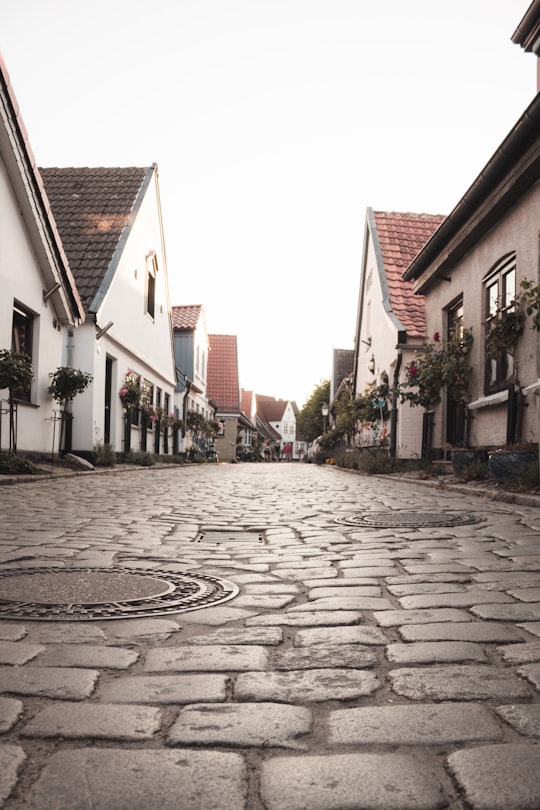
(12, 464)
(104, 455)
(476, 470)
(141, 457)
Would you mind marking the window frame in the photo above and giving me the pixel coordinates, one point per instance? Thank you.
(150, 282)
(500, 286)
(27, 326)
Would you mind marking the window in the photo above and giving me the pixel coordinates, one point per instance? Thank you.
(151, 272)
(21, 339)
(500, 294)
(454, 321)
(136, 411)
(456, 426)
(147, 396)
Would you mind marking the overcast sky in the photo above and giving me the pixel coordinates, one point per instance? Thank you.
(275, 124)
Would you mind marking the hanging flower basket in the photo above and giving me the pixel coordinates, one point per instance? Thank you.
(130, 394)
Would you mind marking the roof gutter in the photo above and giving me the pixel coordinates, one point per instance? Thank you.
(517, 146)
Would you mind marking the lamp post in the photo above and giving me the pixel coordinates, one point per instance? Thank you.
(324, 411)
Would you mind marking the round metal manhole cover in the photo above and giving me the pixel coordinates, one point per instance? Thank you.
(95, 594)
(408, 520)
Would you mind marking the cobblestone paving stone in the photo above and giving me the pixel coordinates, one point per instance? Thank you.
(358, 667)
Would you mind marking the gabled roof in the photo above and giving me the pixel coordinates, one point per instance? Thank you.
(271, 409)
(266, 430)
(41, 228)
(246, 402)
(504, 180)
(186, 317)
(527, 34)
(399, 237)
(94, 209)
(222, 380)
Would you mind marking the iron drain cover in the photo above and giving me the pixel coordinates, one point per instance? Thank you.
(95, 594)
(407, 520)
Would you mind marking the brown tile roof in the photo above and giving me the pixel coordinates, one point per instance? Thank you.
(92, 208)
(222, 380)
(186, 317)
(271, 409)
(401, 237)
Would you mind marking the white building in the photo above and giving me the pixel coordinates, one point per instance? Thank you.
(39, 302)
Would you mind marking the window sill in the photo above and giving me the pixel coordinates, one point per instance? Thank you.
(534, 388)
(488, 401)
(24, 403)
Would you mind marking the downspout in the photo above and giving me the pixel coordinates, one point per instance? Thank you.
(394, 410)
(69, 404)
(185, 406)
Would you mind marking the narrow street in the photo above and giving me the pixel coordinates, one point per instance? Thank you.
(301, 638)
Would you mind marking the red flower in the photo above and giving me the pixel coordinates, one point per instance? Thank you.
(413, 370)
(436, 337)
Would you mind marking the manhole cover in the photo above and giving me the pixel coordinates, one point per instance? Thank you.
(407, 520)
(92, 594)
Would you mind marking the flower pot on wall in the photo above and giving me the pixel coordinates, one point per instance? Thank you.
(508, 465)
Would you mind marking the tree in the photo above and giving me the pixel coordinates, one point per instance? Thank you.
(66, 383)
(17, 375)
(310, 420)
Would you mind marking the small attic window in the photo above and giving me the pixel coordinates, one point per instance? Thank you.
(151, 272)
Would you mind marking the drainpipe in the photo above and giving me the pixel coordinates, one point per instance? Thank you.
(185, 406)
(68, 442)
(394, 410)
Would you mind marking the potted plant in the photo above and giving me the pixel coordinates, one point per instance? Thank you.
(17, 375)
(66, 383)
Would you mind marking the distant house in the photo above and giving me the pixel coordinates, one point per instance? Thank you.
(391, 321)
(110, 223)
(269, 437)
(40, 305)
(224, 390)
(191, 350)
(280, 416)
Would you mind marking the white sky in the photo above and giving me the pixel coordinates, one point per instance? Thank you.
(274, 124)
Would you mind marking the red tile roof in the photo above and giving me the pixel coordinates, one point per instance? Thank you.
(186, 317)
(401, 237)
(92, 207)
(246, 398)
(222, 380)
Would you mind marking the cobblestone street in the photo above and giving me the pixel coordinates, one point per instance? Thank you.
(382, 651)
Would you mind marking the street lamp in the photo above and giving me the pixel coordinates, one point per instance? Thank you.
(324, 411)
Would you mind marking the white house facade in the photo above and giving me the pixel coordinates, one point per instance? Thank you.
(127, 335)
(39, 305)
(390, 324)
